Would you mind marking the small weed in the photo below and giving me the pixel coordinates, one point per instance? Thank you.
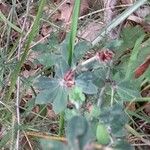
(79, 95)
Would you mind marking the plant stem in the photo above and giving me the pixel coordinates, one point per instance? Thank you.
(71, 44)
(61, 123)
(100, 99)
(112, 96)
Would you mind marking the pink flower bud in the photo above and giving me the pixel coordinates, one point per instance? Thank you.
(105, 55)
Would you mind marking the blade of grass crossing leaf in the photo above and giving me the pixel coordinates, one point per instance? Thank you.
(120, 18)
(31, 36)
(133, 57)
(9, 23)
(71, 43)
(73, 33)
(5, 139)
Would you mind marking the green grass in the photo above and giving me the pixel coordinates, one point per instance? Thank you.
(73, 32)
(32, 34)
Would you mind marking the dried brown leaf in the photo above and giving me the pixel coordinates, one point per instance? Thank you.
(90, 31)
(5, 8)
(65, 11)
(125, 2)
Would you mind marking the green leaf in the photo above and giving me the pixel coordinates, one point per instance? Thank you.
(114, 45)
(127, 91)
(99, 77)
(52, 42)
(60, 101)
(122, 145)
(80, 49)
(78, 132)
(48, 90)
(46, 96)
(44, 83)
(41, 47)
(51, 92)
(130, 35)
(102, 134)
(76, 94)
(52, 145)
(115, 118)
(61, 68)
(133, 57)
(84, 81)
(47, 59)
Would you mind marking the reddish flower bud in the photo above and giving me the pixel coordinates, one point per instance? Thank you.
(105, 56)
(142, 68)
(69, 78)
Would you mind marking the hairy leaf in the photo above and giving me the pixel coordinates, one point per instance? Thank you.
(115, 118)
(130, 36)
(102, 134)
(78, 132)
(84, 81)
(76, 94)
(52, 145)
(60, 101)
(47, 59)
(127, 91)
(80, 49)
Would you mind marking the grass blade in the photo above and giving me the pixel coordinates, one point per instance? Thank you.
(9, 23)
(5, 139)
(73, 33)
(31, 36)
(120, 18)
(133, 57)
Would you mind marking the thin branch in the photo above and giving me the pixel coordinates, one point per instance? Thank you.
(84, 65)
(28, 140)
(100, 99)
(112, 96)
(61, 139)
(103, 9)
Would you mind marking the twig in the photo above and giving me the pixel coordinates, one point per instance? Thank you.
(5, 106)
(46, 136)
(100, 99)
(61, 139)
(103, 9)
(57, 8)
(83, 66)
(28, 140)
(112, 96)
